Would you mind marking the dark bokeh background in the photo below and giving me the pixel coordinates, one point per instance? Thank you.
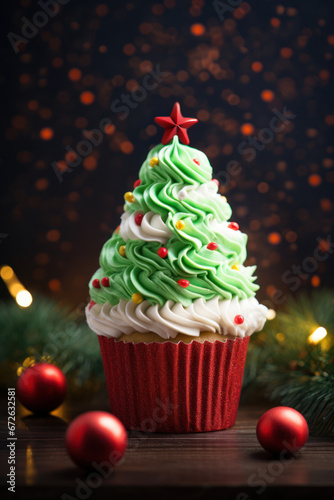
(228, 73)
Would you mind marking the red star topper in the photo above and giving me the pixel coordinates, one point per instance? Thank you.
(175, 124)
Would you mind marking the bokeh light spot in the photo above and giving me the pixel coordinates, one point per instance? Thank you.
(275, 22)
(263, 187)
(314, 180)
(90, 163)
(126, 147)
(257, 66)
(267, 95)
(109, 129)
(53, 235)
(326, 204)
(87, 97)
(315, 281)
(54, 285)
(42, 184)
(23, 298)
(102, 9)
(286, 52)
(74, 74)
(129, 49)
(197, 29)
(46, 133)
(247, 129)
(274, 238)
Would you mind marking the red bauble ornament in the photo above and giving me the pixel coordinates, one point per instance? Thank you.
(282, 430)
(239, 319)
(137, 183)
(212, 246)
(138, 219)
(105, 282)
(234, 226)
(196, 160)
(41, 388)
(163, 252)
(96, 437)
(96, 283)
(183, 283)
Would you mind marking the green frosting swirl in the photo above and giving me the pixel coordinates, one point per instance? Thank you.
(176, 169)
(209, 272)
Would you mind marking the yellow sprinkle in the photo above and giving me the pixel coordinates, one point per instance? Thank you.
(129, 197)
(137, 298)
(180, 224)
(122, 250)
(224, 199)
(154, 161)
(236, 267)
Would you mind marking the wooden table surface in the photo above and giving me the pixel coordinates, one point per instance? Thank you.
(223, 464)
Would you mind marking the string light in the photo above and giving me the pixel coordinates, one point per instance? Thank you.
(271, 314)
(23, 298)
(6, 273)
(15, 287)
(318, 334)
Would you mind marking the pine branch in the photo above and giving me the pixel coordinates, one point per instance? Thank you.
(288, 368)
(48, 332)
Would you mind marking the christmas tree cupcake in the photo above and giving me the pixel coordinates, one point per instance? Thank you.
(172, 303)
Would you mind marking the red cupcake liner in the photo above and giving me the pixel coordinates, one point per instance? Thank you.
(174, 387)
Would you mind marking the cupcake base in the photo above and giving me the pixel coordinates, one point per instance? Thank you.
(174, 387)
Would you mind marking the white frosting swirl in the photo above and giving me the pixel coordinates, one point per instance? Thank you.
(223, 229)
(215, 315)
(208, 190)
(152, 227)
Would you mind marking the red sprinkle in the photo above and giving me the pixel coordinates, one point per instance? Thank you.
(195, 160)
(234, 226)
(162, 252)
(183, 283)
(96, 283)
(212, 246)
(216, 181)
(105, 282)
(137, 183)
(239, 319)
(91, 304)
(138, 219)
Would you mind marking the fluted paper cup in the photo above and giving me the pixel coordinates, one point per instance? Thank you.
(174, 387)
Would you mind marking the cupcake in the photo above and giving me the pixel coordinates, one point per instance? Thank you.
(172, 303)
